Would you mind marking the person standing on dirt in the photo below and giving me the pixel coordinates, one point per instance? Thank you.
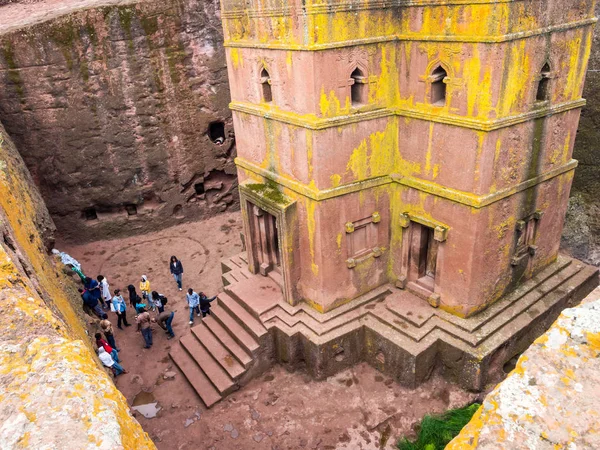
(193, 300)
(164, 320)
(104, 290)
(143, 324)
(107, 329)
(205, 304)
(145, 289)
(134, 298)
(176, 270)
(118, 304)
(159, 301)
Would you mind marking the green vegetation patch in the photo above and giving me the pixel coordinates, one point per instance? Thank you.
(269, 192)
(437, 431)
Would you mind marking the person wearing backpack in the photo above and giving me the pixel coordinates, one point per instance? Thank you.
(134, 298)
(159, 301)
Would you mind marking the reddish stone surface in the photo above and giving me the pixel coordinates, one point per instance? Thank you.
(110, 105)
(357, 407)
(487, 173)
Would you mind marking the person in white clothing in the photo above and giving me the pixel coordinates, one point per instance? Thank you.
(108, 361)
(105, 291)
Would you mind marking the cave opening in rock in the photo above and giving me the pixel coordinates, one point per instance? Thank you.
(216, 132)
(199, 188)
(131, 210)
(90, 214)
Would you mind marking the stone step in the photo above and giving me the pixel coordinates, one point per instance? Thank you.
(218, 351)
(234, 262)
(235, 276)
(257, 295)
(238, 261)
(226, 266)
(276, 277)
(239, 334)
(529, 300)
(227, 341)
(195, 376)
(245, 318)
(211, 368)
(228, 279)
(243, 257)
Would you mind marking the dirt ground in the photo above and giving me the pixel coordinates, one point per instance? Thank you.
(357, 409)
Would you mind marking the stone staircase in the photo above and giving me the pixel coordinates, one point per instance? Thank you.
(223, 351)
(235, 269)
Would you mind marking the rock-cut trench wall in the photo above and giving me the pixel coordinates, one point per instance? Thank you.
(115, 107)
(53, 391)
(581, 236)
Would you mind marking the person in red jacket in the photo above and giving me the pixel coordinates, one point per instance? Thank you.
(111, 351)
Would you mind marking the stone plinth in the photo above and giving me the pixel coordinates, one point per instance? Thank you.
(395, 331)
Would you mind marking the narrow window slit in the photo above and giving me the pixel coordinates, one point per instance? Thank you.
(358, 88)
(543, 90)
(265, 81)
(438, 86)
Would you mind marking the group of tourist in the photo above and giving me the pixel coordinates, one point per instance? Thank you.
(97, 299)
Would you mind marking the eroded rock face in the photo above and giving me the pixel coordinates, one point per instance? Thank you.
(53, 390)
(581, 236)
(551, 398)
(115, 107)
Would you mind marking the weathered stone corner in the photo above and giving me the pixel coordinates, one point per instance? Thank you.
(550, 400)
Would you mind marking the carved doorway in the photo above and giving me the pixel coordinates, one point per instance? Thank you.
(265, 240)
(423, 255)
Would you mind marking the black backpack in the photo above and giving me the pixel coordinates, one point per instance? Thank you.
(163, 300)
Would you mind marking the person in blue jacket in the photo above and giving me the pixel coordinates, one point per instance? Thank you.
(93, 287)
(176, 270)
(90, 302)
(120, 308)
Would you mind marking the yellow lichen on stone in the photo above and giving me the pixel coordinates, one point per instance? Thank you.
(53, 391)
(550, 399)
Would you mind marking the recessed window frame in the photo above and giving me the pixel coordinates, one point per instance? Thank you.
(266, 90)
(542, 93)
(438, 92)
(359, 87)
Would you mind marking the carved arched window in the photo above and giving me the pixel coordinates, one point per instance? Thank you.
(265, 82)
(543, 89)
(438, 86)
(359, 94)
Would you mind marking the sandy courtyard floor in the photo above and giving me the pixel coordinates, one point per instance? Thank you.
(357, 409)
